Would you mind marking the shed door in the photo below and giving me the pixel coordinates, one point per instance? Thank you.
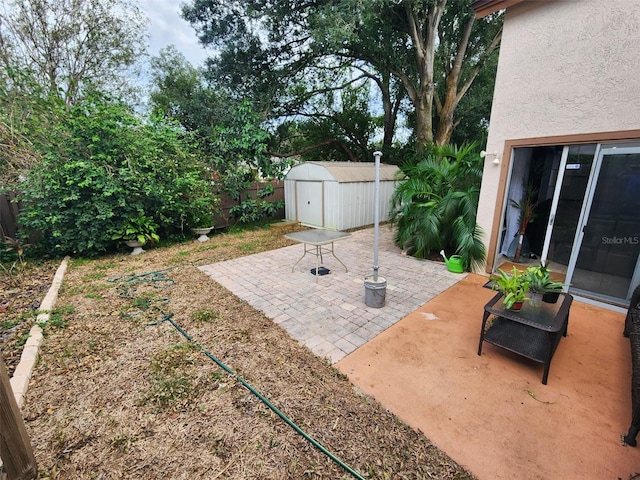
(309, 203)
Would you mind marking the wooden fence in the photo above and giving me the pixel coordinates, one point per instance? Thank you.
(9, 209)
(226, 202)
(8, 216)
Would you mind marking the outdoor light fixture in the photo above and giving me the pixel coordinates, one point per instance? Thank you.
(496, 157)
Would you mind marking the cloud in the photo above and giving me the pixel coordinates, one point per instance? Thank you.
(166, 27)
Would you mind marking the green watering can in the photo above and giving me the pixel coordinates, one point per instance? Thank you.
(454, 262)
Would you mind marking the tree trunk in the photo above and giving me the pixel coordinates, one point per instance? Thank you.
(445, 115)
(424, 126)
(390, 109)
(389, 127)
(453, 90)
(423, 31)
(452, 95)
(15, 448)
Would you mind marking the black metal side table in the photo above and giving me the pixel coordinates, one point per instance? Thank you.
(532, 332)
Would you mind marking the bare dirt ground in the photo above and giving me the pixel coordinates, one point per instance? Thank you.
(22, 288)
(119, 392)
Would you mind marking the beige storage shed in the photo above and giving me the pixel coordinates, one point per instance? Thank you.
(337, 195)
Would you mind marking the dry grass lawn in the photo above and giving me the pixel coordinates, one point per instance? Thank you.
(120, 393)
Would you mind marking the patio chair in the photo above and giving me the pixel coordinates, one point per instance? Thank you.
(634, 304)
(632, 330)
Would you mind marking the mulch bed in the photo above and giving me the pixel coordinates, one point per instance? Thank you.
(22, 289)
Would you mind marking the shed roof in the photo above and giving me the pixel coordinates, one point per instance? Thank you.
(343, 172)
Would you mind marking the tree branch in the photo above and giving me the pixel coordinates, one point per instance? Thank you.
(310, 148)
(476, 69)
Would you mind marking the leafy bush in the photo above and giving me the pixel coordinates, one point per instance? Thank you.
(201, 212)
(251, 210)
(141, 229)
(237, 151)
(105, 166)
(435, 205)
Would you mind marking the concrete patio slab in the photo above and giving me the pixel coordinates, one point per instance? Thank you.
(417, 355)
(491, 413)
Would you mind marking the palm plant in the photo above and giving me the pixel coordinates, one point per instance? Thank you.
(435, 205)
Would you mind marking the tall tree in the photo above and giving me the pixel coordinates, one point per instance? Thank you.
(228, 131)
(294, 49)
(344, 130)
(70, 44)
(27, 115)
(466, 48)
(178, 90)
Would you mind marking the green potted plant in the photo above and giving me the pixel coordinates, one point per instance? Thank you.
(542, 285)
(513, 286)
(527, 206)
(200, 217)
(206, 225)
(136, 232)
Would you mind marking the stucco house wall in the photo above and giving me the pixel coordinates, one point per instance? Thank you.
(565, 68)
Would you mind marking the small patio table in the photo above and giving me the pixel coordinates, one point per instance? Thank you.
(532, 332)
(318, 238)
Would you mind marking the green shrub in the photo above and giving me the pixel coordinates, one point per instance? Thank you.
(250, 210)
(141, 229)
(435, 204)
(105, 166)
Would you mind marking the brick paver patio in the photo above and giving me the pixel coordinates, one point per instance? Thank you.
(330, 317)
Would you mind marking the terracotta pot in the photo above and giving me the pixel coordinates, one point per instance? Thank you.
(516, 306)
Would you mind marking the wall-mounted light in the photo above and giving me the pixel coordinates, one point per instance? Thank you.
(495, 156)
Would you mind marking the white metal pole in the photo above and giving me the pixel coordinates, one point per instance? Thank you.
(376, 216)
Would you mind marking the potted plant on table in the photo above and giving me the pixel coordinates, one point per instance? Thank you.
(136, 232)
(513, 286)
(541, 285)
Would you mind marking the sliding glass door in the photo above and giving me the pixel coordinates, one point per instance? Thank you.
(605, 262)
(568, 201)
(587, 216)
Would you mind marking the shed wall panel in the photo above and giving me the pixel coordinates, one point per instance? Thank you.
(357, 204)
(332, 205)
(386, 192)
(290, 213)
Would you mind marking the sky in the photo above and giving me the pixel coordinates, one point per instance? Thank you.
(166, 27)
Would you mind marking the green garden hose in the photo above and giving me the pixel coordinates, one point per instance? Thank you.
(160, 280)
